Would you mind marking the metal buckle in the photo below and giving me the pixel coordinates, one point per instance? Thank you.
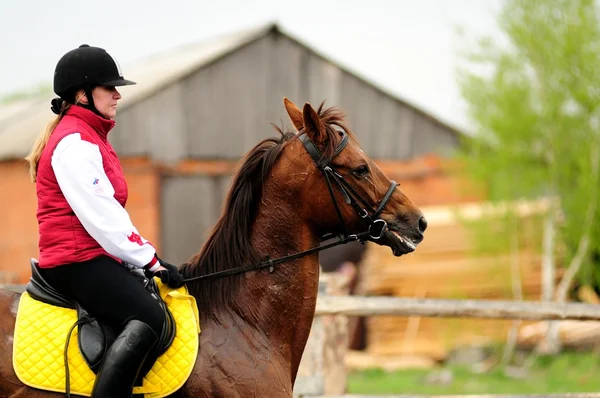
(363, 214)
(382, 230)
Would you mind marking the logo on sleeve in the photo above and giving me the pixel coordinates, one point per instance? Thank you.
(98, 188)
(135, 238)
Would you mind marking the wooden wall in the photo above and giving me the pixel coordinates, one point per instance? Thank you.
(223, 109)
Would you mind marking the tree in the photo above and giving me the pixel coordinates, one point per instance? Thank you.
(535, 104)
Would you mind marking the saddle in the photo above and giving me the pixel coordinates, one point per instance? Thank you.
(94, 336)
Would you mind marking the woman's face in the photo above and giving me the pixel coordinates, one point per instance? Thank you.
(105, 100)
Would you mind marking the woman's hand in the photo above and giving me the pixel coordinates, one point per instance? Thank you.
(168, 274)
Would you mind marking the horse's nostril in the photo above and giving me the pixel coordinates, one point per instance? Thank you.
(422, 224)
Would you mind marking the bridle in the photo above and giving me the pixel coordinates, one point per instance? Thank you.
(376, 226)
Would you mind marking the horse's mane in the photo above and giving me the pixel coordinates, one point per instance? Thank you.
(229, 245)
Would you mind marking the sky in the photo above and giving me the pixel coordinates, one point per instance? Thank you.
(411, 48)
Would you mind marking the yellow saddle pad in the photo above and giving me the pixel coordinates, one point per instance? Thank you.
(41, 332)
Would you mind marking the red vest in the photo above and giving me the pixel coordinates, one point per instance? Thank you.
(62, 237)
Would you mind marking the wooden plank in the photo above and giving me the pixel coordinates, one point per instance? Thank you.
(161, 121)
(308, 386)
(323, 82)
(365, 122)
(322, 368)
(226, 103)
(311, 372)
(286, 77)
(354, 100)
(429, 137)
(493, 309)
(405, 132)
(202, 114)
(254, 83)
(229, 94)
(179, 201)
(371, 112)
(433, 338)
(384, 139)
(127, 137)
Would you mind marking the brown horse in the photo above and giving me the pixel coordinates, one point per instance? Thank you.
(288, 193)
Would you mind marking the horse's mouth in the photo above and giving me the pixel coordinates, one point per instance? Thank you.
(398, 242)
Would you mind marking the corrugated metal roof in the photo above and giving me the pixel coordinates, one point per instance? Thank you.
(22, 121)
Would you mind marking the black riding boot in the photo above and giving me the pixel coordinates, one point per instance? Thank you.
(123, 361)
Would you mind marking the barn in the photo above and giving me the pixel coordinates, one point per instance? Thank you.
(195, 111)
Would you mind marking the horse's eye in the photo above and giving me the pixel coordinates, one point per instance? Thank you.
(361, 171)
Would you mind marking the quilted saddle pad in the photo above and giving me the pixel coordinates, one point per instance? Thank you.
(41, 332)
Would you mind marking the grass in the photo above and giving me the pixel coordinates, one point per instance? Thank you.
(568, 372)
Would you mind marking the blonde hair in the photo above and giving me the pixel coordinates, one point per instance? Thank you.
(40, 143)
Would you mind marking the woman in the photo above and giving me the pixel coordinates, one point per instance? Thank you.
(86, 238)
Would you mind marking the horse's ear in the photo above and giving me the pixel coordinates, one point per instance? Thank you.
(312, 124)
(294, 113)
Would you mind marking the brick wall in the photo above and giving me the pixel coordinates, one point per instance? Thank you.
(18, 223)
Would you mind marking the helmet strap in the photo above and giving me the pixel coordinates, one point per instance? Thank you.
(90, 105)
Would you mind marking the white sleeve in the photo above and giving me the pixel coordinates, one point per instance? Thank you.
(80, 174)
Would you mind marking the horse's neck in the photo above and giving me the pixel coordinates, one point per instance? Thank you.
(286, 298)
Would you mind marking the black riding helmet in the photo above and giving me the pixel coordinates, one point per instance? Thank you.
(85, 68)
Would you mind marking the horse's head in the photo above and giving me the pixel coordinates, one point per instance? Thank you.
(341, 190)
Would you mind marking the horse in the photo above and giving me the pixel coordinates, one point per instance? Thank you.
(256, 277)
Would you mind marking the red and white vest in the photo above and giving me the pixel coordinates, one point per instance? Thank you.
(82, 192)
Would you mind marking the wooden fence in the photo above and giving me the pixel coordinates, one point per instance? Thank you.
(493, 309)
(323, 361)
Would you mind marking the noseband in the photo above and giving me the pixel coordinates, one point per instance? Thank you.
(376, 226)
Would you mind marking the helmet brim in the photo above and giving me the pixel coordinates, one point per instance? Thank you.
(119, 82)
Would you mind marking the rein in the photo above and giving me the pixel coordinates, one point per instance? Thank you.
(376, 229)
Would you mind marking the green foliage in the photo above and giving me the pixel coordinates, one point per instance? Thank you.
(32, 92)
(568, 372)
(534, 101)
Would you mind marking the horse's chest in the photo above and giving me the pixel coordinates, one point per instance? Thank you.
(222, 370)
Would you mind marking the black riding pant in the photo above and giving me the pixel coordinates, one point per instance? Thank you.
(108, 291)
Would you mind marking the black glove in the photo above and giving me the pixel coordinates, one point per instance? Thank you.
(171, 276)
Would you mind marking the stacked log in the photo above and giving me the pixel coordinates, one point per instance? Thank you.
(446, 265)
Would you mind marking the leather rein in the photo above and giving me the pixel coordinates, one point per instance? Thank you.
(376, 229)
